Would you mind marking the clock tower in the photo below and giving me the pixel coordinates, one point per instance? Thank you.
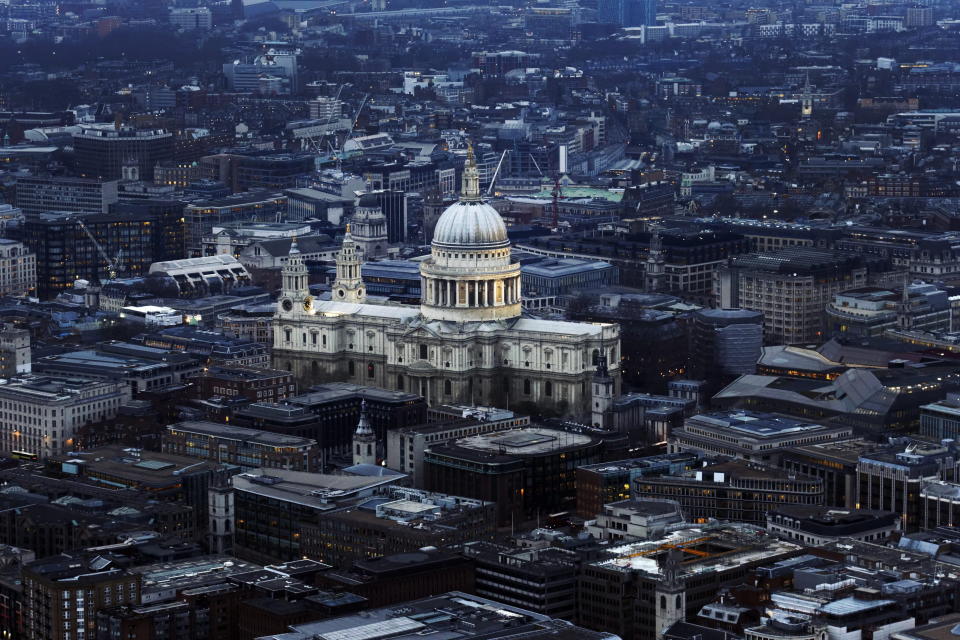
(295, 293)
(348, 287)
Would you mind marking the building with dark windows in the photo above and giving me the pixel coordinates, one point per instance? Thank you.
(628, 13)
(541, 580)
(646, 587)
(834, 462)
(526, 471)
(600, 484)
(751, 436)
(40, 194)
(556, 277)
(246, 448)
(734, 491)
(202, 216)
(891, 479)
(394, 204)
(329, 413)
(817, 525)
(397, 520)
(725, 343)
(252, 385)
(102, 151)
(62, 594)
(274, 171)
(272, 506)
(65, 252)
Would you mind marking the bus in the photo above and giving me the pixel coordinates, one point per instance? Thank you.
(24, 455)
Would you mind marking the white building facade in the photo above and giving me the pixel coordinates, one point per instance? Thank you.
(467, 342)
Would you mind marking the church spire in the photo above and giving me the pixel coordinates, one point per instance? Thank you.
(470, 192)
(364, 439)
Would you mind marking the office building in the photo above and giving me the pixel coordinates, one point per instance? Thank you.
(274, 171)
(326, 109)
(202, 216)
(557, 277)
(272, 506)
(62, 594)
(601, 484)
(646, 587)
(919, 16)
(394, 204)
(891, 479)
(248, 449)
(18, 269)
(312, 204)
(751, 436)
(870, 311)
(397, 520)
(835, 463)
(474, 617)
(244, 75)
(139, 367)
(43, 413)
(15, 354)
(724, 342)
(40, 194)
(733, 491)
(492, 466)
(635, 519)
(817, 526)
(405, 446)
(254, 385)
(790, 287)
(541, 580)
(102, 151)
(65, 253)
(628, 13)
(191, 18)
(941, 420)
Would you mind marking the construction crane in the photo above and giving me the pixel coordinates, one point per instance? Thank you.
(113, 264)
(496, 173)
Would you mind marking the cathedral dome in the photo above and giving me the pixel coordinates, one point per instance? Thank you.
(470, 224)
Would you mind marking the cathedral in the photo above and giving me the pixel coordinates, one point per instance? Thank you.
(467, 343)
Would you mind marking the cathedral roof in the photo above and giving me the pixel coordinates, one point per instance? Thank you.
(470, 224)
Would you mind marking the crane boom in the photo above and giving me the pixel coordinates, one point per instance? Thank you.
(496, 172)
(111, 264)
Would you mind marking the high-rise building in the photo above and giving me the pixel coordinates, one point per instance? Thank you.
(65, 252)
(918, 16)
(102, 151)
(191, 18)
(628, 13)
(725, 342)
(791, 287)
(40, 194)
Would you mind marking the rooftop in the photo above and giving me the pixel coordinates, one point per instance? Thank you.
(241, 434)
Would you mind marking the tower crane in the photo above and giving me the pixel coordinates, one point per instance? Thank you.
(113, 264)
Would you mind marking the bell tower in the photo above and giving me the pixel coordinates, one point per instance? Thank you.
(295, 291)
(348, 287)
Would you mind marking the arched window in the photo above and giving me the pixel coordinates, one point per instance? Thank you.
(678, 602)
(423, 352)
(400, 383)
(287, 334)
(548, 388)
(526, 387)
(351, 367)
(596, 357)
(447, 387)
(663, 602)
(370, 371)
